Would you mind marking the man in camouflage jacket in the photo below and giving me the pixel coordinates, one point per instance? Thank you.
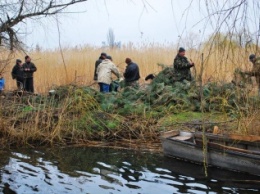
(182, 66)
(255, 70)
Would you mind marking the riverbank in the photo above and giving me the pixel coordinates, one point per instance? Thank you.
(77, 115)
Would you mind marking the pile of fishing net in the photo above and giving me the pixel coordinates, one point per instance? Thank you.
(166, 94)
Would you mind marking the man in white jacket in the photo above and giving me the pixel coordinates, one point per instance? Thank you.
(104, 72)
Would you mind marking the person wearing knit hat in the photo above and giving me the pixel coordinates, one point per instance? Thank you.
(251, 57)
(100, 59)
(17, 74)
(255, 70)
(131, 74)
(181, 49)
(182, 66)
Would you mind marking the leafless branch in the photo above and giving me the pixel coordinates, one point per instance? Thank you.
(13, 12)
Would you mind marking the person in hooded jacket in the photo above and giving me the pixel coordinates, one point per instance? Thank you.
(97, 63)
(131, 74)
(104, 74)
(18, 74)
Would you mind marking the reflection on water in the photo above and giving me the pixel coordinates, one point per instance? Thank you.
(110, 171)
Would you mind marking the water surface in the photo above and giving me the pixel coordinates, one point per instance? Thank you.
(113, 171)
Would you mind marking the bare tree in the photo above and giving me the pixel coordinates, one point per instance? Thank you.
(111, 38)
(13, 12)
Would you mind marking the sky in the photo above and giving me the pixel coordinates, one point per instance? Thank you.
(140, 21)
(137, 21)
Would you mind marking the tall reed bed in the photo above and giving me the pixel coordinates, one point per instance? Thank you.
(71, 117)
(77, 65)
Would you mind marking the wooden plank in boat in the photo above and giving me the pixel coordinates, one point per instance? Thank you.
(181, 138)
(168, 134)
(249, 139)
(220, 146)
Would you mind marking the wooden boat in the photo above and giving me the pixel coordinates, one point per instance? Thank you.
(216, 178)
(225, 151)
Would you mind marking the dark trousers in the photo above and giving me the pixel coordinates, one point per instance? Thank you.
(28, 84)
(20, 84)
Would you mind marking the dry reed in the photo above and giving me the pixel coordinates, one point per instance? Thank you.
(79, 61)
(45, 124)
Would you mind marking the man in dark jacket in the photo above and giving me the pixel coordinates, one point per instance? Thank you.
(182, 66)
(17, 73)
(29, 68)
(101, 58)
(131, 74)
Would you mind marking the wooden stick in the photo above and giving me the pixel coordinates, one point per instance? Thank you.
(217, 145)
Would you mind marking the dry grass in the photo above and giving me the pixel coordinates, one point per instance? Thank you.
(80, 64)
(219, 64)
(41, 125)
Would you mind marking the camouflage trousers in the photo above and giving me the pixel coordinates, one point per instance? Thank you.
(134, 84)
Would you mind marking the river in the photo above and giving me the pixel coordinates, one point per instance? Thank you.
(76, 170)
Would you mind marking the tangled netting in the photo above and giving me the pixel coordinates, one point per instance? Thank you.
(166, 93)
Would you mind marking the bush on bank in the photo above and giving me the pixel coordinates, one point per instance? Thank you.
(76, 114)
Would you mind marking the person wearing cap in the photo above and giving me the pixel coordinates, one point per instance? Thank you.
(255, 70)
(104, 74)
(100, 59)
(131, 74)
(17, 74)
(182, 66)
(28, 69)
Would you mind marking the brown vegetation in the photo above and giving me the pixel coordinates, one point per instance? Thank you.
(218, 65)
(75, 116)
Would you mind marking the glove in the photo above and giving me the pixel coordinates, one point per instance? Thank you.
(192, 64)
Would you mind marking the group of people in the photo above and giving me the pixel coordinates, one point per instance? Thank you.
(23, 74)
(182, 68)
(104, 68)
